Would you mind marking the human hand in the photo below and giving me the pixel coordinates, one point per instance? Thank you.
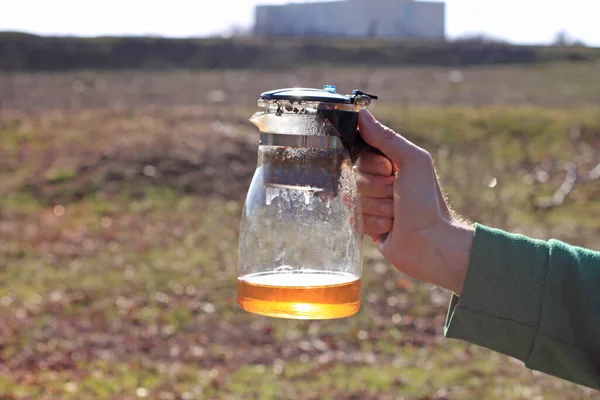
(406, 214)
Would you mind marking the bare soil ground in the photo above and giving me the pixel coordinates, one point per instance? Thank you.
(120, 197)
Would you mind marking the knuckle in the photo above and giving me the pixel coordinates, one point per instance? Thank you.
(373, 163)
(385, 224)
(369, 223)
(369, 205)
(365, 201)
(389, 132)
(360, 180)
(424, 155)
(364, 182)
(365, 205)
(373, 185)
(386, 207)
(377, 225)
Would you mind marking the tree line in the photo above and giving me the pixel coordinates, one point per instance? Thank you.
(26, 52)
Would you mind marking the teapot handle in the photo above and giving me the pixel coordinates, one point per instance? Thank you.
(360, 146)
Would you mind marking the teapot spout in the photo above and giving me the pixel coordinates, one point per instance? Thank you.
(258, 120)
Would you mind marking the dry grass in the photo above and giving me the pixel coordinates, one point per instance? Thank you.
(558, 85)
(119, 211)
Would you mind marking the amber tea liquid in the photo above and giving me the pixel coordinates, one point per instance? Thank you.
(300, 295)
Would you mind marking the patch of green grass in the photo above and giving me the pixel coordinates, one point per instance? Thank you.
(58, 175)
(109, 379)
(12, 137)
(461, 124)
(20, 201)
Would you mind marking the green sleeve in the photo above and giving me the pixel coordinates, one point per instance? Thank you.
(537, 301)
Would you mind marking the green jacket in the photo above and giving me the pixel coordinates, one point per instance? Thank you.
(533, 300)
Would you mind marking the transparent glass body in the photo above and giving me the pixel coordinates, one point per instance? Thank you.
(300, 246)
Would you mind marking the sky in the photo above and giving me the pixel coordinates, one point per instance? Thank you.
(518, 21)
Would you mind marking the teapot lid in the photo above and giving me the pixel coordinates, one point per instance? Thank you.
(326, 95)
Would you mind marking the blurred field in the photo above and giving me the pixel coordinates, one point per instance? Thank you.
(120, 196)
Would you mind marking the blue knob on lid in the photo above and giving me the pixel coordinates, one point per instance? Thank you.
(330, 88)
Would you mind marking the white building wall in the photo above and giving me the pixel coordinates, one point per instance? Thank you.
(429, 21)
(355, 18)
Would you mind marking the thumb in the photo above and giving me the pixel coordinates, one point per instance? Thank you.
(394, 146)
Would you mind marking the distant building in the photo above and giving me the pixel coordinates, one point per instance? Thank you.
(355, 19)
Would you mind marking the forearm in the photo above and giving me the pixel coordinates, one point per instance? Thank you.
(533, 300)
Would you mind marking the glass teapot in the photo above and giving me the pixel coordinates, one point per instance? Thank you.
(301, 232)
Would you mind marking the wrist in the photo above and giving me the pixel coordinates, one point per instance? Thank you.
(454, 246)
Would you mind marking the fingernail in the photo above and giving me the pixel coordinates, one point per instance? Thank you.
(386, 208)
